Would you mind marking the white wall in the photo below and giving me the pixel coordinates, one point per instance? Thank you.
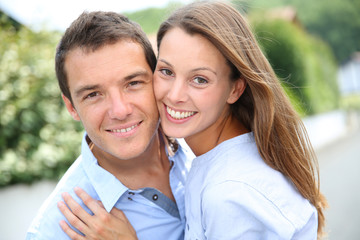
(18, 206)
(326, 128)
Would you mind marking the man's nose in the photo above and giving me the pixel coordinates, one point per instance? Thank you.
(119, 107)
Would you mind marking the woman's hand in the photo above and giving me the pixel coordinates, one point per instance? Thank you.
(101, 225)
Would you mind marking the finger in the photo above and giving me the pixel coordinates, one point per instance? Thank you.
(118, 213)
(100, 204)
(72, 219)
(70, 232)
(121, 215)
(91, 203)
(76, 209)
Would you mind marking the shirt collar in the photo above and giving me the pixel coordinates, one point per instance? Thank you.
(106, 185)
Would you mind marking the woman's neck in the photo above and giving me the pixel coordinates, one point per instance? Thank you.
(225, 129)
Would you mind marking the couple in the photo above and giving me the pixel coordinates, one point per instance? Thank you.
(254, 172)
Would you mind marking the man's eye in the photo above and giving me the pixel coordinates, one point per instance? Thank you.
(92, 95)
(200, 80)
(134, 83)
(166, 72)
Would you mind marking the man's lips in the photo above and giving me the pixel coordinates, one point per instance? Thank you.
(124, 129)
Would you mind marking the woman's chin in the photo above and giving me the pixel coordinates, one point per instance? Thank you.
(174, 132)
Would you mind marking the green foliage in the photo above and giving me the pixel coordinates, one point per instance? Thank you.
(305, 64)
(151, 18)
(321, 75)
(38, 139)
(351, 102)
(335, 21)
(7, 22)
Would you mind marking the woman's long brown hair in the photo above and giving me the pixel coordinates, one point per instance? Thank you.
(263, 108)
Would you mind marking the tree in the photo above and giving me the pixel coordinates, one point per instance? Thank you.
(304, 64)
(38, 139)
(337, 22)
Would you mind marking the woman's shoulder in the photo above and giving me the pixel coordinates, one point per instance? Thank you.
(241, 175)
(282, 213)
(264, 193)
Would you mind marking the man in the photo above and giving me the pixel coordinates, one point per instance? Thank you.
(104, 65)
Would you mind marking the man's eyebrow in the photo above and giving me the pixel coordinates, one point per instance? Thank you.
(136, 74)
(81, 90)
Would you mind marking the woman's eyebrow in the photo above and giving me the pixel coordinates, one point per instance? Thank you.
(204, 68)
(164, 61)
(192, 70)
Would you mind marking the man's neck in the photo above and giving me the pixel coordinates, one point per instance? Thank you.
(150, 169)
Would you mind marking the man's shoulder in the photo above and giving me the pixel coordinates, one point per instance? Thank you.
(46, 223)
(46, 226)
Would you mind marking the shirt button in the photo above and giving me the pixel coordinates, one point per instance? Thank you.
(155, 197)
(131, 193)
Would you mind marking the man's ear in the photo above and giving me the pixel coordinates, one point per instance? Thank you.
(70, 108)
(237, 90)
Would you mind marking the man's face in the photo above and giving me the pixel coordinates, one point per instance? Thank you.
(113, 97)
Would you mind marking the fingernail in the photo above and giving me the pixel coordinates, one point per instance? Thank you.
(64, 194)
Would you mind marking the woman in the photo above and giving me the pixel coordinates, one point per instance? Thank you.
(254, 175)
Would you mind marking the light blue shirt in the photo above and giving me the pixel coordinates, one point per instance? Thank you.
(231, 193)
(151, 213)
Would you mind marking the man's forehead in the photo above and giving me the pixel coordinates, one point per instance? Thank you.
(94, 47)
(126, 51)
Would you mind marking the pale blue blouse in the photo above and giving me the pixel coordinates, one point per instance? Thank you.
(232, 194)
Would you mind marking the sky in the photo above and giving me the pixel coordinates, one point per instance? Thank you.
(58, 14)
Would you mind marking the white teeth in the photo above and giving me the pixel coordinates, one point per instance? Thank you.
(177, 114)
(124, 130)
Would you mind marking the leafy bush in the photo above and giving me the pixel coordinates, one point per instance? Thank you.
(351, 102)
(38, 139)
(151, 18)
(304, 64)
(337, 22)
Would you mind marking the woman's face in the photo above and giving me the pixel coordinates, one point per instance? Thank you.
(192, 85)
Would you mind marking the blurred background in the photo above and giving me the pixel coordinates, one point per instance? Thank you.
(313, 46)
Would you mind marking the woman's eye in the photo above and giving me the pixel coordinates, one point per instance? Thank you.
(166, 72)
(200, 80)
